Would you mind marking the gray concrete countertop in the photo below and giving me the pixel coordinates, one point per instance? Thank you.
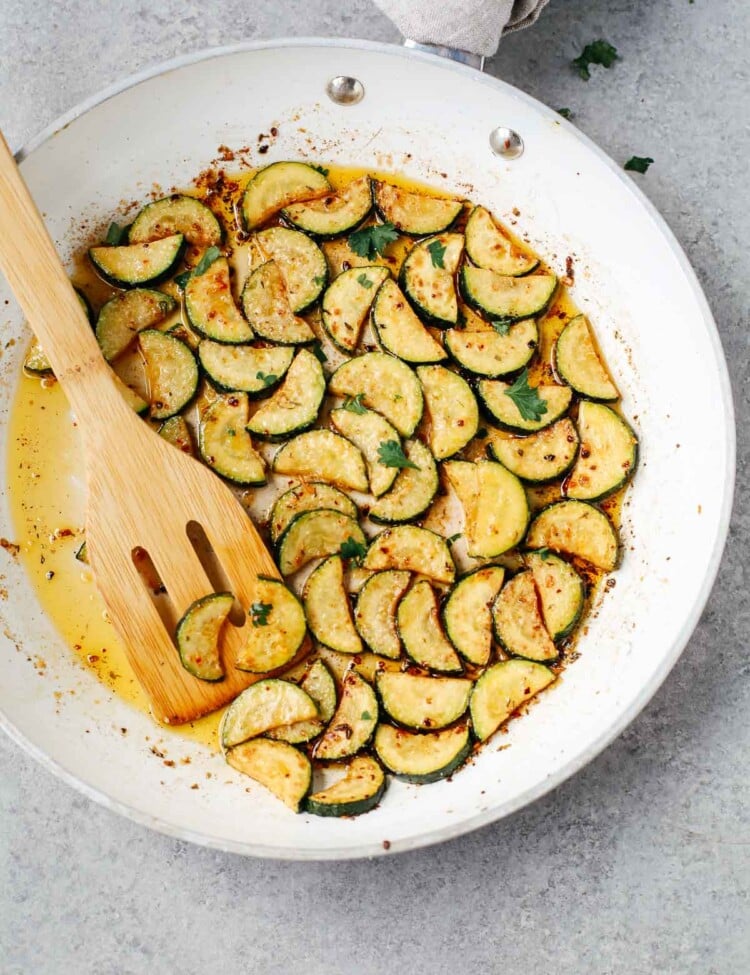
(640, 863)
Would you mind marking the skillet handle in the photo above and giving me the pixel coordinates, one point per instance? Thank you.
(463, 30)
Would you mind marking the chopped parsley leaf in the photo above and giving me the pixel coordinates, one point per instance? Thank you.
(501, 325)
(352, 549)
(391, 454)
(530, 404)
(437, 253)
(259, 613)
(370, 242)
(364, 281)
(354, 404)
(268, 379)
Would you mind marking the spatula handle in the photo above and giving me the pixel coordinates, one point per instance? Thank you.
(35, 273)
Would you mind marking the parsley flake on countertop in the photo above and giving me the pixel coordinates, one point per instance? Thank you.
(598, 52)
(530, 404)
(370, 242)
(638, 164)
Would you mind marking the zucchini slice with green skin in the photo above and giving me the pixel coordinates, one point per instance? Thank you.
(413, 491)
(224, 443)
(268, 704)
(423, 703)
(134, 401)
(399, 330)
(296, 403)
(278, 186)
(495, 526)
(301, 262)
(428, 278)
(420, 757)
(347, 303)
(518, 622)
(176, 431)
(412, 213)
(242, 368)
(171, 373)
(360, 790)
(335, 213)
(132, 265)
(375, 613)
(421, 631)
(177, 214)
(488, 246)
(576, 528)
(502, 409)
(504, 297)
(327, 608)
(488, 353)
(368, 431)
(275, 628)
(281, 768)
(353, 724)
(313, 535)
(561, 592)
(578, 363)
(539, 457)
(320, 685)
(307, 497)
(124, 316)
(412, 549)
(608, 455)
(210, 307)
(36, 362)
(502, 689)
(467, 613)
(451, 409)
(266, 306)
(387, 386)
(198, 634)
(325, 456)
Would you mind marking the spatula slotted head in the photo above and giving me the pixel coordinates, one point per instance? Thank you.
(143, 494)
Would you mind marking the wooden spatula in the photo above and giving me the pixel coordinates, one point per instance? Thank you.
(142, 492)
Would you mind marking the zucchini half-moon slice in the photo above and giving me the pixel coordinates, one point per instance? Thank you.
(329, 614)
(467, 613)
(177, 214)
(413, 491)
(539, 457)
(313, 535)
(451, 408)
(131, 265)
(488, 246)
(347, 302)
(281, 768)
(561, 592)
(359, 791)
(578, 363)
(244, 368)
(301, 262)
(608, 454)
(324, 456)
(279, 185)
(224, 443)
(388, 386)
(335, 213)
(414, 213)
(171, 373)
(428, 278)
(210, 307)
(421, 757)
(576, 528)
(399, 330)
(353, 724)
(274, 630)
(375, 613)
(295, 404)
(502, 408)
(412, 549)
(265, 302)
(128, 313)
(423, 703)
(496, 510)
(489, 353)
(518, 622)
(307, 497)
(421, 631)
(506, 298)
(262, 706)
(502, 689)
(369, 431)
(198, 634)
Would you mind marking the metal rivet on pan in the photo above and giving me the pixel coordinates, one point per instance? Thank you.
(345, 91)
(506, 143)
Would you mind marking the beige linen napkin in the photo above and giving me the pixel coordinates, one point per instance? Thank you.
(469, 25)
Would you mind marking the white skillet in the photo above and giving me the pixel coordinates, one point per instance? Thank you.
(432, 119)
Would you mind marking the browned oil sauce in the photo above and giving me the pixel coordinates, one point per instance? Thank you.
(45, 463)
